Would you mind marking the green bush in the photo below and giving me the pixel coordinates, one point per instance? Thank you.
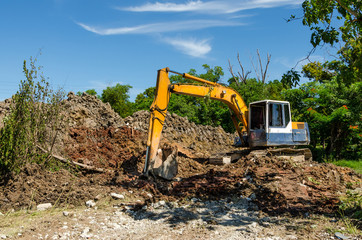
(33, 122)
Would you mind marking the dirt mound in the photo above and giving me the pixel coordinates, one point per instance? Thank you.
(94, 135)
(35, 185)
(107, 148)
(90, 112)
(192, 140)
(275, 185)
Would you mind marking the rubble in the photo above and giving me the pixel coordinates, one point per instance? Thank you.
(94, 135)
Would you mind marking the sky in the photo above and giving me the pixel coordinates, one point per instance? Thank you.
(93, 44)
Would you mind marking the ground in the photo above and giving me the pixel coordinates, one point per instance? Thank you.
(252, 198)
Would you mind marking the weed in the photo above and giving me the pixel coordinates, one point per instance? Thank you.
(313, 181)
(351, 204)
(33, 121)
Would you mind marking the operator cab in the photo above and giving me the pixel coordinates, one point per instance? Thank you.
(270, 125)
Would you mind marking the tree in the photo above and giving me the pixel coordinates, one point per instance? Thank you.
(337, 21)
(144, 100)
(331, 103)
(260, 71)
(91, 92)
(118, 98)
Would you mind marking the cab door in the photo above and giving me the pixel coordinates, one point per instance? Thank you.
(257, 127)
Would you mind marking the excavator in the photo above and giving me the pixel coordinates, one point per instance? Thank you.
(265, 124)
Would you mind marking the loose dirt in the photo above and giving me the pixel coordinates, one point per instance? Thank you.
(94, 135)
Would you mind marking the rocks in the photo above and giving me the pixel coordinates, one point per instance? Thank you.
(90, 204)
(86, 233)
(180, 129)
(43, 206)
(117, 196)
(89, 111)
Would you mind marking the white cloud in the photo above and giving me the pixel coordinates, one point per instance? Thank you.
(191, 47)
(210, 7)
(160, 27)
(166, 7)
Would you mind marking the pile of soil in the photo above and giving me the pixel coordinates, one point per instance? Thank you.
(94, 135)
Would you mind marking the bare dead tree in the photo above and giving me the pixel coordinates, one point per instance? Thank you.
(241, 76)
(262, 76)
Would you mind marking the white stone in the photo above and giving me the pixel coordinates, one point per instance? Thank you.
(43, 206)
(117, 196)
(86, 234)
(90, 204)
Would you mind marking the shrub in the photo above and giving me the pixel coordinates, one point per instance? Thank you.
(33, 122)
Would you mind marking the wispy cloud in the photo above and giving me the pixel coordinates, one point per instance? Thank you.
(99, 86)
(165, 7)
(161, 27)
(191, 47)
(228, 10)
(210, 7)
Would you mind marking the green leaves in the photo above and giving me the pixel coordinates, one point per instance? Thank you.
(333, 112)
(290, 79)
(118, 98)
(33, 121)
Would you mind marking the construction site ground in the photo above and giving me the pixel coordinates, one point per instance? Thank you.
(101, 194)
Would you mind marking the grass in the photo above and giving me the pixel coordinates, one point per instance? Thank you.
(355, 165)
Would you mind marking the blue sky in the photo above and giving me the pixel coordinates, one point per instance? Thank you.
(88, 44)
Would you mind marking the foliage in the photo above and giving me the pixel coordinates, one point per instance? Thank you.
(33, 121)
(333, 112)
(118, 98)
(319, 16)
(351, 204)
(331, 103)
(253, 90)
(318, 71)
(91, 92)
(144, 100)
(290, 79)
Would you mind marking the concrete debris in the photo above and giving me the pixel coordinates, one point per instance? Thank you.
(44, 206)
(90, 204)
(117, 196)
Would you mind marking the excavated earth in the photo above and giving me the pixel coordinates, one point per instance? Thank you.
(113, 149)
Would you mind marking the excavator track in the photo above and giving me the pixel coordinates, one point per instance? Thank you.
(285, 153)
(297, 155)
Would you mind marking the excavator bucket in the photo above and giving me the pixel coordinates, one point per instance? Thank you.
(165, 163)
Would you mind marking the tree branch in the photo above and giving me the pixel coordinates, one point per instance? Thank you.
(64, 160)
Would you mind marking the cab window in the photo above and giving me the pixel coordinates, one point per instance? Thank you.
(286, 114)
(276, 115)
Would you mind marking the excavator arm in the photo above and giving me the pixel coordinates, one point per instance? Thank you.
(158, 109)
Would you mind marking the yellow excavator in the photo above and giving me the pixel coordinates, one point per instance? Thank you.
(264, 124)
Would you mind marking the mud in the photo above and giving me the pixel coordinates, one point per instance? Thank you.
(96, 136)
